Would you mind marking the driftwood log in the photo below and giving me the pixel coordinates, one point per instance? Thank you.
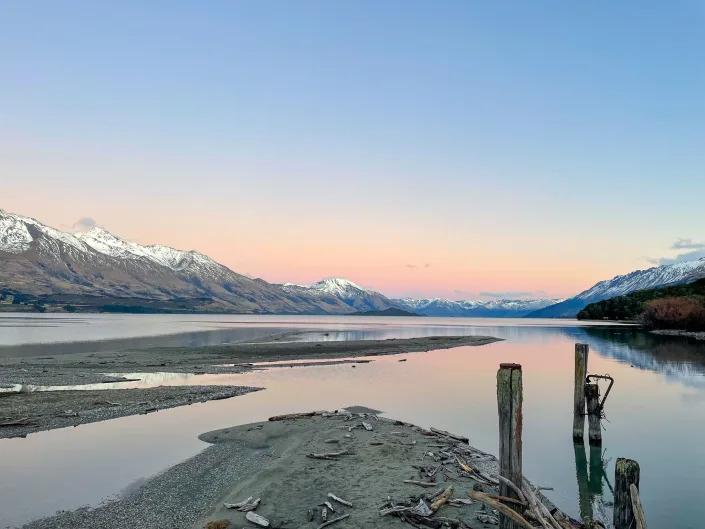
(292, 416)
(420, 483)
(442, 499)
(334, 520)
(328, 455)
(460, 438)
(339, 500)
(483, 498)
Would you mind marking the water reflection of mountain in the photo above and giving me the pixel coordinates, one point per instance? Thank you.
(677, 358)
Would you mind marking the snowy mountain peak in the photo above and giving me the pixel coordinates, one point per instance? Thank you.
(337, 285)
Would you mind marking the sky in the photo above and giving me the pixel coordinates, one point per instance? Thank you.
(458, 149)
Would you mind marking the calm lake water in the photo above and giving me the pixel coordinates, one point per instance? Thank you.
(656, 410)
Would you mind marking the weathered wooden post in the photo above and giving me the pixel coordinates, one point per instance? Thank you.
(626, 473)
(509, 404)
(581, 358)
(592, 395)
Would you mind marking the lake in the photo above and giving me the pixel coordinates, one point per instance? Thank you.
(655, 412)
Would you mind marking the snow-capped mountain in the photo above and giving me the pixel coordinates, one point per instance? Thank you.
(658, 276)
(355, 296)
(43, 262)
(500, 308)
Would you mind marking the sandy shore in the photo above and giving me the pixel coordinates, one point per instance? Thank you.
(35, 411)
(270, 461)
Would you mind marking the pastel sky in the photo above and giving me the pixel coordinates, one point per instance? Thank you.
(455, 148)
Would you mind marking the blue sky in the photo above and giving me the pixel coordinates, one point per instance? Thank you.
(516, 146)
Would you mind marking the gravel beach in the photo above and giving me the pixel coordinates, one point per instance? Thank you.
(272, 461)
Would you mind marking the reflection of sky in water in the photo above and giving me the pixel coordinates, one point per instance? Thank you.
(656, 416)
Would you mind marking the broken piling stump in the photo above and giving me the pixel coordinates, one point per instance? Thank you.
(626, 473)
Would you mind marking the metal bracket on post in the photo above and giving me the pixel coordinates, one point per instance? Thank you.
(609, 388)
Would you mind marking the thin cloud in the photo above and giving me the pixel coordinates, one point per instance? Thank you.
(697, 251)
(680, 258)
(411, 266)
(687, 244)
(84, 224)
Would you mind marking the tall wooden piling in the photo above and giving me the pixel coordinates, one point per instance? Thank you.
(581, 358)
(509, 404)
(592, 396)
(626, 473)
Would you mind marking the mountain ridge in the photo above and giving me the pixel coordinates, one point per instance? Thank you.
(657, 276)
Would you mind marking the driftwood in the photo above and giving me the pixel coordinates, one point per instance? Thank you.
(250, 506)
(367, 426)
(512, 486)
(326, 524)
(108, 403)
(506, 499)
(460, 438)
(420, 483)
(328, 505)
(339, 500)
(292, 416)
(539, 510)
(257, 519)
(433, 495)
(238, 504)
(442, 499)
(638, 510)
(24, 421)
(328, 455)
(331, 441)
(483, 498)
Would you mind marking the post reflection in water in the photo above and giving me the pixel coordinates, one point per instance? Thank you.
(593, 499)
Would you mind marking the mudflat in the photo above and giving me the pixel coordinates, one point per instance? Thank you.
(30, 410)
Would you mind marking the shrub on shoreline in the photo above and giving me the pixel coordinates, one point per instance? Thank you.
(683, 313)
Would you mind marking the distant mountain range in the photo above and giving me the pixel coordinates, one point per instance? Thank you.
(500, 308)
(673, 274)
(45, 268)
